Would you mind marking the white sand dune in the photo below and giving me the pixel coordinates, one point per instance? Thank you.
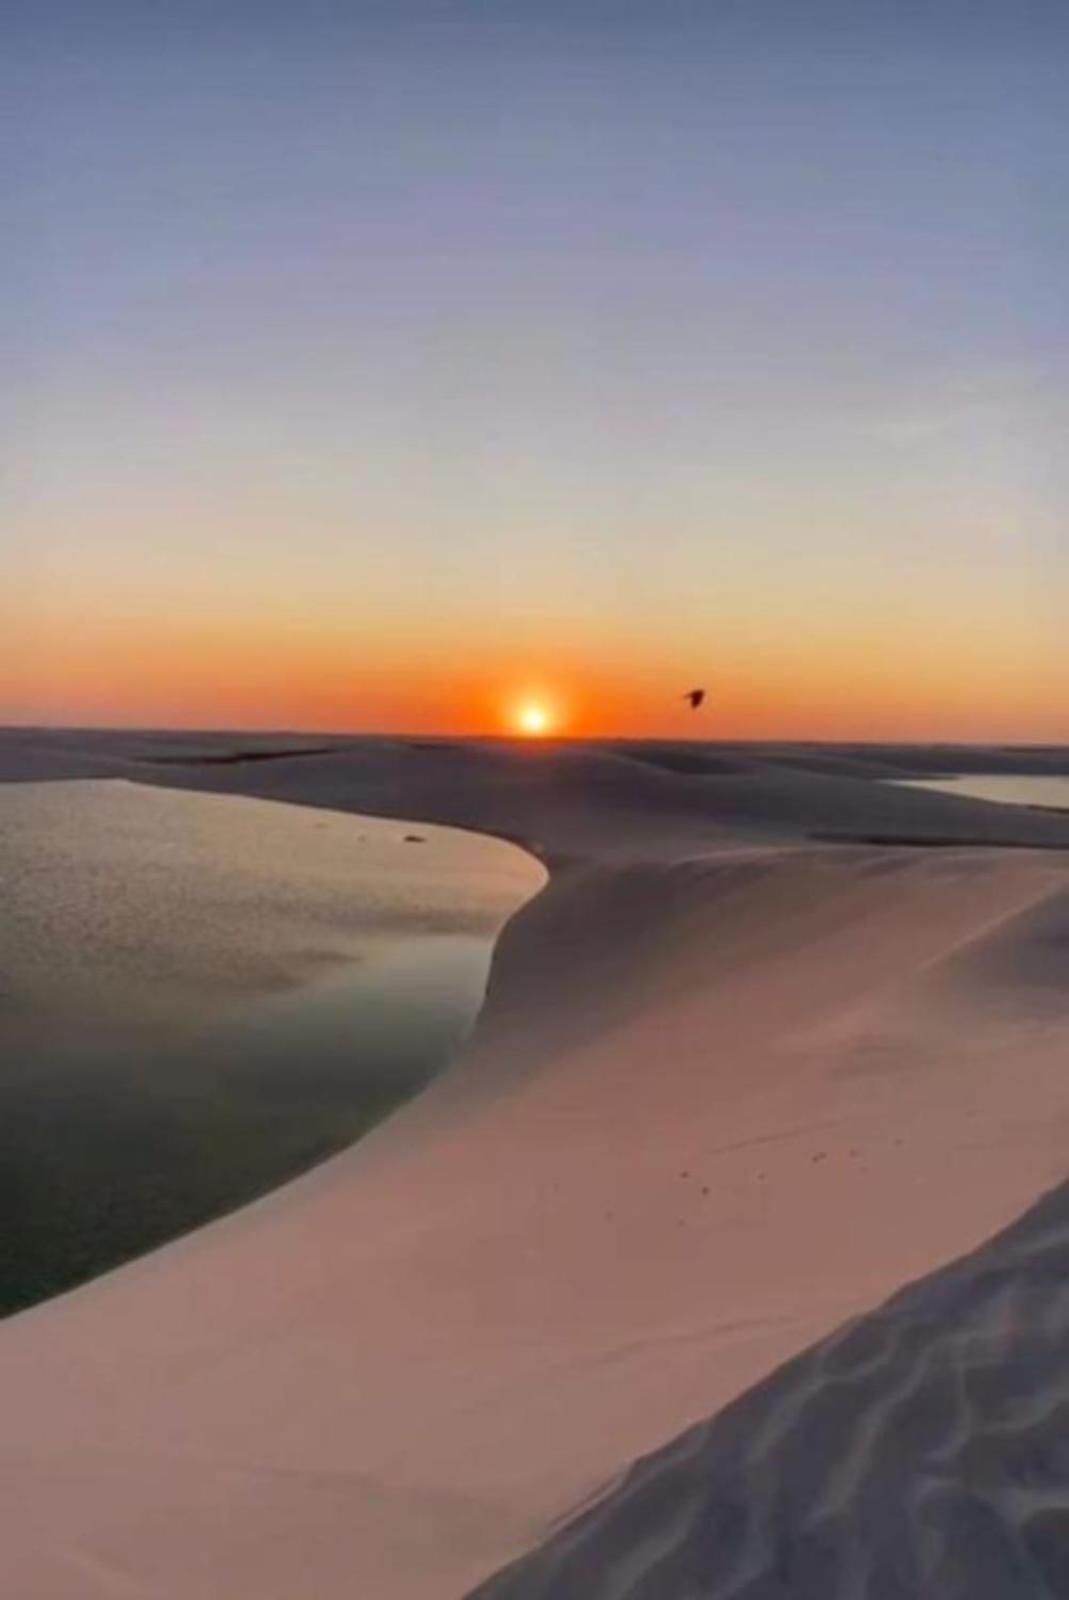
(918, 1454)
(731, 1087)
(574, 802)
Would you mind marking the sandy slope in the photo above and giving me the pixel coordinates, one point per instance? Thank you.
(920, 1452)
(731, 1087)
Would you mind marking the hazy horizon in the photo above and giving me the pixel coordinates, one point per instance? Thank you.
(374, 367)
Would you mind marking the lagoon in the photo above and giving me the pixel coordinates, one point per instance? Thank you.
(203, 995)
(1047, 792)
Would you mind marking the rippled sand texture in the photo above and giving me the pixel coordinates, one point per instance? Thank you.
(921, 1453)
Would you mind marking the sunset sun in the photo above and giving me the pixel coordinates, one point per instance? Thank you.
(533, 719)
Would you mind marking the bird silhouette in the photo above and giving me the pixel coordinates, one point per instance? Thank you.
(694, 697)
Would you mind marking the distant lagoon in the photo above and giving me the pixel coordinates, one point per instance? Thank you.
(1048, 792)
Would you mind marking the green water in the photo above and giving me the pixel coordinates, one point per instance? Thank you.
(195, 1005)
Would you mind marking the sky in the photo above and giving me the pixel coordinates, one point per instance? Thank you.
(388, 366)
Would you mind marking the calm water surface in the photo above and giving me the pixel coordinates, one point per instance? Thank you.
(202, 995)
(1009, 789)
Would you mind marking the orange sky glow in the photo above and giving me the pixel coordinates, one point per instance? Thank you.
(367, 374)
(225, 675)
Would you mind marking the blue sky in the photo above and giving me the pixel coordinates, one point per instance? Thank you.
(726, 339)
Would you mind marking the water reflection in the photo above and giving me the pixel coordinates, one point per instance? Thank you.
(1012, 789)
(203, 995)
(385, 1025)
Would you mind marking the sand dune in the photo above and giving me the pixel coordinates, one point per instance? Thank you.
(917, 1454)
(730, 1088)
(574, 802)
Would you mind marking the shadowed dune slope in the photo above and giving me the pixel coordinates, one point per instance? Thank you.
(920, 1453)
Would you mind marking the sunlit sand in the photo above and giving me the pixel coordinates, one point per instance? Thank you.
(732, 1086)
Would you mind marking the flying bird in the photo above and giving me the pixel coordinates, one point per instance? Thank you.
(695, 698)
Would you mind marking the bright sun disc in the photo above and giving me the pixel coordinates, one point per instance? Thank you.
(533, 719)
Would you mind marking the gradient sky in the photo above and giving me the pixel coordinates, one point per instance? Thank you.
(369, 365)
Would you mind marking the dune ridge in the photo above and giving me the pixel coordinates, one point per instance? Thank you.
(574, 802)
(731, 1087)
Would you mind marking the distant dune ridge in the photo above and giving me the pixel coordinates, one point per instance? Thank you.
(733, 1085)
(569, 800)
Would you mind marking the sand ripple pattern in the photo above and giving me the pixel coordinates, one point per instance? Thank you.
(919, 1453)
